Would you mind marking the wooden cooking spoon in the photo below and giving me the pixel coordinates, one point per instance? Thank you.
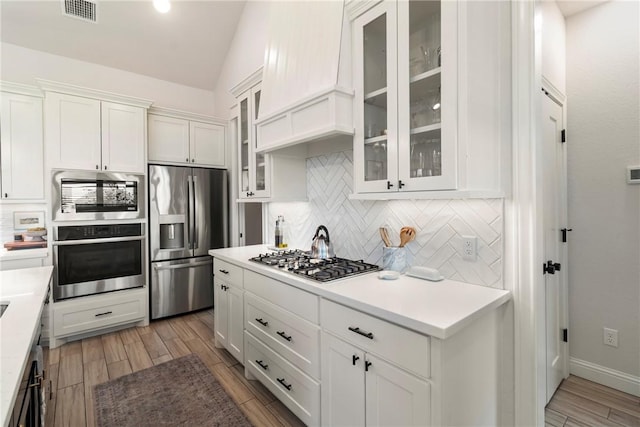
(407, 234)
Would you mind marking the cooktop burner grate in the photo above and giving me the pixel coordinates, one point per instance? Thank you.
(321, 270)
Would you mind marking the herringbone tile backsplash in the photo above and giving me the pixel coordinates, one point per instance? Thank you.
(353, 224)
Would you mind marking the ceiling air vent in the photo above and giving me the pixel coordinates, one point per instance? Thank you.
(81, 9)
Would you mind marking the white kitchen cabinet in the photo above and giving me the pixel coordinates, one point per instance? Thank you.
(177, 139)
(254, 167)
(264, 177)
(90, 134)
(229, 308)
(360, 389)
(21, 147)
(404, 67)
(94, 313)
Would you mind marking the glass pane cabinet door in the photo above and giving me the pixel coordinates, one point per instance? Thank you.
(424, 87)
(421, 65)
(375, 157)
(244, 146)
(260, 166)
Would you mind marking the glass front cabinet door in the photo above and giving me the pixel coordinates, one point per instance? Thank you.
(405, 110)
(253, 166)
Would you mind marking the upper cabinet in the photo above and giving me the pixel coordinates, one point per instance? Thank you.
(306, 83)
(21, 144)
(264, 177)
(432, 102)
(405, 97)
(93, 130)
(185, 138)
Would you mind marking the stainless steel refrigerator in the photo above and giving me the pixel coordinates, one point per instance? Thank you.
(187, 217)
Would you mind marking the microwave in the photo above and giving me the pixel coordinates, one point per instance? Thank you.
(78, 196)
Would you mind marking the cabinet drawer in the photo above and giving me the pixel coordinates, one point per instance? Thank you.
(293, 338)
(97, 312)
(297, 391)
(227, 272)
(401, 346)
(286, 296)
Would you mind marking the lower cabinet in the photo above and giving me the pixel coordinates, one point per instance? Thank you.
(296, 390)
(84, 315)
(229, 318)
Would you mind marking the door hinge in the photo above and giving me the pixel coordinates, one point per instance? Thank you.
(564, 234)
(565, 335)
(563, 135)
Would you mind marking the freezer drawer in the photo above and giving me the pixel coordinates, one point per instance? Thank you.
(181, 286)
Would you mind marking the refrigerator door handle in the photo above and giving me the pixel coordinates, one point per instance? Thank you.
(185, 265)
(194, 197)
(190, 213)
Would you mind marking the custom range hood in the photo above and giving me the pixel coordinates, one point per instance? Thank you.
(307, 93)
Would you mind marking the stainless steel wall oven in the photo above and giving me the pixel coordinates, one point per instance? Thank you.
(91, 259)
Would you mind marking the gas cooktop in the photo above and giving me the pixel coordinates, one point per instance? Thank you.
(321, 270)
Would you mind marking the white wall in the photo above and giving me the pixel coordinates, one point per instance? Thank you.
(245, 55)
(21, 65)
(604, 211)
(553, 45)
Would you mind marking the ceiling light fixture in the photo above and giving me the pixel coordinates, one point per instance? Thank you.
(162, 6)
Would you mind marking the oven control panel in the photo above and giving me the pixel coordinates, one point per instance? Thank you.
(84, 232)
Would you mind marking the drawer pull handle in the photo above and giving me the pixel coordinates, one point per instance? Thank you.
(284, 384)
(262, 365)
(223, 271)
(262, 322)
(104, 314)
(366, 365)
(364, 334)
(283, 335)
(354, 358)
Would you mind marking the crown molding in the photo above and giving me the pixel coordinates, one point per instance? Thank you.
(246, 84)
(21, 89)
(51, 86)
(163, 111)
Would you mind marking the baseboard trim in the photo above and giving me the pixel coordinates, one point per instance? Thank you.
(605, 376)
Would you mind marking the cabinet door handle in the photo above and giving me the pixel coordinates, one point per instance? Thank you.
(283, 335)
(389, 185)
(187, 159)
(193, 160)
(366, 365)
(263, 322)
(400, 184)
(262, 364)
(104, 314)
(6, 195)
(223, 271)
(105, 167)
(363, 333)
(354, 358)
(223, 287)
(284, 384)
(97, 166)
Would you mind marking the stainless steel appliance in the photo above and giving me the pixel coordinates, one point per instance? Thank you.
(79, 195)
(27, 410)
(187, 217)
(321, 270)
(92, 259)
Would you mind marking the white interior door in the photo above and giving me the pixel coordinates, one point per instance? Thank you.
(554, 205)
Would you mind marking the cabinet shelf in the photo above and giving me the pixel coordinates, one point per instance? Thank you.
(375, 139)
(377, 97)
(425, 129)
(425, 75)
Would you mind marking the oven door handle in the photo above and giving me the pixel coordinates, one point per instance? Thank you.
(92, 241)
(186, 265)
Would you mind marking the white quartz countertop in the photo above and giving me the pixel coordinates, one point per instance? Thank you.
(439, 309)
(25, 290)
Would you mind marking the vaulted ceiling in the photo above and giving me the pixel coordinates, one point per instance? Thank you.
(187, 45)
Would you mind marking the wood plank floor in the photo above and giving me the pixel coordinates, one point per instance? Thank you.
(582, 403)
(74, 368)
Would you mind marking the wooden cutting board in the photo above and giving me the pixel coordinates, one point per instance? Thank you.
(25, 245)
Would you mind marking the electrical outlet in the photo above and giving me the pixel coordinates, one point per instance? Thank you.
(611, 337)
(469, 248)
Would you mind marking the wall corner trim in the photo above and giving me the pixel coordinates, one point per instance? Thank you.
(605, 376)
